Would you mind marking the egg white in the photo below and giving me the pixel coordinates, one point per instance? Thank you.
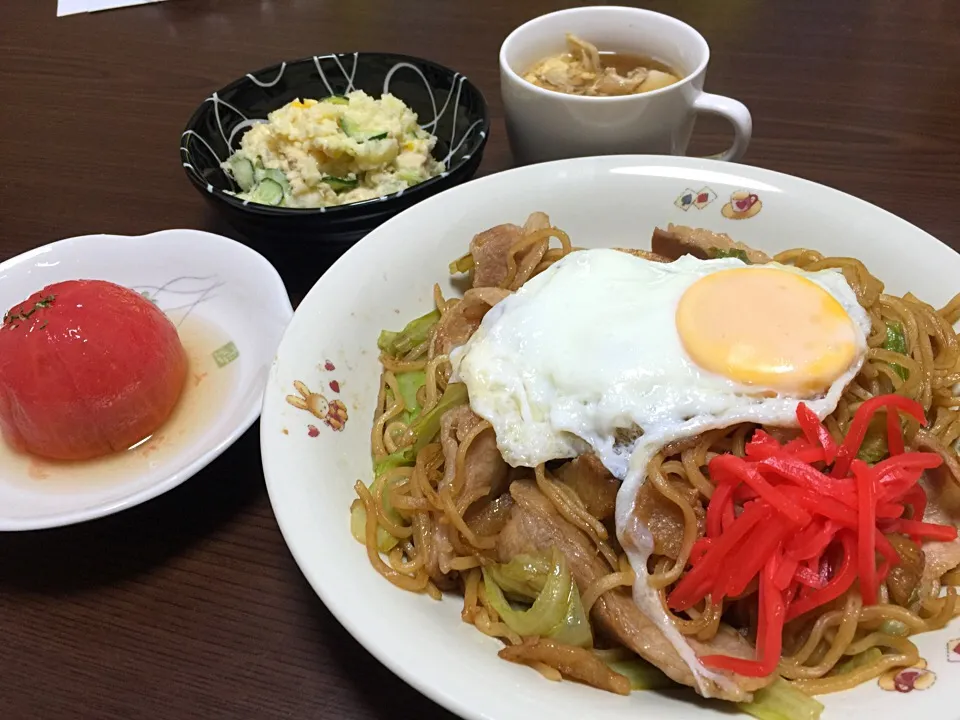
(587, 356)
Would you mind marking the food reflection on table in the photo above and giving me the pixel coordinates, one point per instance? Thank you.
(585, 70)
(339, 150)
(700, 464)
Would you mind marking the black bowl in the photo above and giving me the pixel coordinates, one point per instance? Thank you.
(447, 105)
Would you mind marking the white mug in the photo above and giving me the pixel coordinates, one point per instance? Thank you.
(547, 125)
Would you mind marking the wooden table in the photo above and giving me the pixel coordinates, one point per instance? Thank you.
(191, 606)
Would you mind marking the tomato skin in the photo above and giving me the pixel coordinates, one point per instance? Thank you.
(87, 368)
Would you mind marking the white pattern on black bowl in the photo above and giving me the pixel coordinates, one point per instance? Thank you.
(447, 105)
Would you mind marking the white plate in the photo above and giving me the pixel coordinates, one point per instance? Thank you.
(218, 292)
(386, 279)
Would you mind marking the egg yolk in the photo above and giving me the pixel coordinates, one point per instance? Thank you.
(768, 327)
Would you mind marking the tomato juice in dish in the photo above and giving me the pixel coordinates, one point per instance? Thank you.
(209, 384)
(96, 381)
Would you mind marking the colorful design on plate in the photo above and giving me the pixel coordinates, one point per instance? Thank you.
(225, 354)
(905, 680)
(953, 650)
(743, 205)
(695, 198)
(335, 386)
(332, 412)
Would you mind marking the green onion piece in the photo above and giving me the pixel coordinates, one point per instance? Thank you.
(717, 253)
(462, 264)
(867, 657)
(336, 100)
(641, 674)
(782, 701)
(896, 341)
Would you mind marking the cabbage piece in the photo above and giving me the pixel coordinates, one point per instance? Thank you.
(782, 701)
(358, 518)
(409, 383)
(556, 612)
(576, 628)
(423, 429)
(641, 674)
(426, 427)
(867, 657)
(415, 333)
(358, 528)
(523, 577)
(400, 458)
(873, 449)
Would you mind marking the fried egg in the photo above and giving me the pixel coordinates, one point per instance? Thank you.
(617, 354)
(609, 352)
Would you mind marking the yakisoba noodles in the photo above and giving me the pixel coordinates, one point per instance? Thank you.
(425, 530)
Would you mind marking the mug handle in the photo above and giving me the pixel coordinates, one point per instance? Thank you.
(738, 115)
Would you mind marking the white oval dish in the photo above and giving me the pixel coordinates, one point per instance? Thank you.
(231, 308)
(387, 279)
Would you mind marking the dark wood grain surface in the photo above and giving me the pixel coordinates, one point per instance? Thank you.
(191, 606)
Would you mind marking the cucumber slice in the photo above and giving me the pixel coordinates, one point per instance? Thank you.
(268, 192)
(349, 128)
(336, 100)
(352, 130)
(242, 171)
(278, 177)
(340, 184)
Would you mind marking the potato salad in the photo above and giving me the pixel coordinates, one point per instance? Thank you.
(339, 150)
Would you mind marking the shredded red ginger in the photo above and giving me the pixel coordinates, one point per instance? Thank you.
(806, 520)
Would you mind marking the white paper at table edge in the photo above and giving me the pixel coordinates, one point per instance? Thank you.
(72, 7)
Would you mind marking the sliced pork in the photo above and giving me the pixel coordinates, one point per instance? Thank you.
(679, 240)
(534, 524)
